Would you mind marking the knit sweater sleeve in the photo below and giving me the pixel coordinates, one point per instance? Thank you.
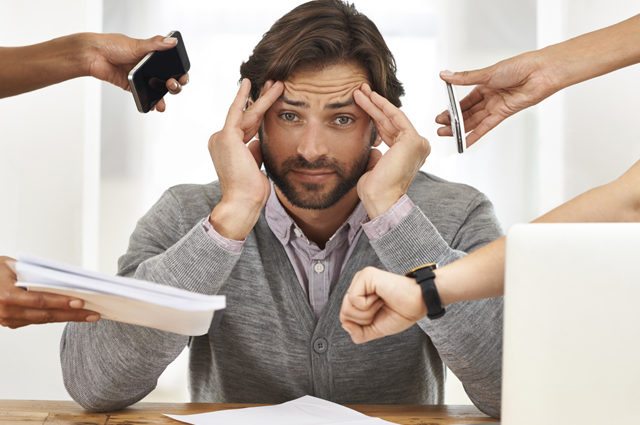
(109, 365)
(469, 337)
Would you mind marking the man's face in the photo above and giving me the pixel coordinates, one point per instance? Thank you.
(315, 139)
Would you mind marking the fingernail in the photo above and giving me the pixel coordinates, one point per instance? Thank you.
(170, 40)
(174, 85)
(187, 79)
(446, 73)
(92, 318)
(76, 303)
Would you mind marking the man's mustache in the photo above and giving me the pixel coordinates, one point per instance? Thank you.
(299, 163)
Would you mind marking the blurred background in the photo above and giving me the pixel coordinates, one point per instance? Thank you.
(79, 165)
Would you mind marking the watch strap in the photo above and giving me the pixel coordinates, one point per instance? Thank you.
(425, 277)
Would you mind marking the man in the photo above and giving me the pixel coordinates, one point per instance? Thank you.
(283, 249)
(108, 57)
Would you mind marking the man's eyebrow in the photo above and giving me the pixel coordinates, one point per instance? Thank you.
(303, 104)
(338, 105)
(298, 103)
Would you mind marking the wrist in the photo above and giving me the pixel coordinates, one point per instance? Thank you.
(378, 204)
(551, 67)
(87, 50)
(235, 220)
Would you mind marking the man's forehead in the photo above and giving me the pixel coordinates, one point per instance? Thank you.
(332, 84)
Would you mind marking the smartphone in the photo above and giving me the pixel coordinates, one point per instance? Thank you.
(457, 124)
(148, 79)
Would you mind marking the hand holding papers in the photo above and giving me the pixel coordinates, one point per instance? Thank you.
(305, 410)
(123, 299)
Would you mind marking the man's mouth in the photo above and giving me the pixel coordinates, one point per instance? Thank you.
(312, 176)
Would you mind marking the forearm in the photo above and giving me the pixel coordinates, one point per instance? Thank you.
(109, 365)
(32, 67)
(593, 54)
(617, 201)
(481, 274)
(414, 241)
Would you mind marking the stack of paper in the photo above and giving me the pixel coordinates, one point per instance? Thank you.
(305, 410)
(123, 299)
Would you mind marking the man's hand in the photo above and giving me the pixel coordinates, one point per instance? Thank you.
(245, 189)
(389, 175)
(502, 90)
(20, 308)
(112, 56)
(379, 303)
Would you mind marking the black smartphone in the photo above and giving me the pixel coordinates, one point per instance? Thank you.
(457, 124)
(148, 79)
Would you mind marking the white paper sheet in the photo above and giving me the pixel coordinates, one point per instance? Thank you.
(123, 299)
(305, 410)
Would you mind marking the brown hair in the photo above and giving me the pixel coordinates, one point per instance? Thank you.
(320, 33)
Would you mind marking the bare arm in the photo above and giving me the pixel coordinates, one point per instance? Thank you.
(514, 84)
(108, 57)
(380, 303)
(481, 273)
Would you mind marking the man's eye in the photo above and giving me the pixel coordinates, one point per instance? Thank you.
(288, 116)
(343, 120)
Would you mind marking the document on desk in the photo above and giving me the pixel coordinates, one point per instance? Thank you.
(123, 299)
(305, 410)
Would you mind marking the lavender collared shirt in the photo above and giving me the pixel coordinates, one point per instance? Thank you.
(318, 270)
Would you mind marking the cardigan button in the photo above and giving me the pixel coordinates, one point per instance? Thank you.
(320, 345)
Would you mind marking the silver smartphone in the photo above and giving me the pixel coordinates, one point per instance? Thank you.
(148, 78)
(457, 123)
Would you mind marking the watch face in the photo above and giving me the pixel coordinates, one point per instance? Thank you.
(430, 266)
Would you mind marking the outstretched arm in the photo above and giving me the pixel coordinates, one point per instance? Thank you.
(108, 57)
(514, 84)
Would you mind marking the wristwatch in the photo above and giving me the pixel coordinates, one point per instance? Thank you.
(425, 277)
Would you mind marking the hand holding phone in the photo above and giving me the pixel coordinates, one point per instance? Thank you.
(148, 79)
(457, 123)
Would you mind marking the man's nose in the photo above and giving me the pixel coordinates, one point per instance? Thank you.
(312, 144)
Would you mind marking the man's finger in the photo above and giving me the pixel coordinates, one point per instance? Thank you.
(268, 98)
(397, 117)
(254, 148)
(383, 124)
(184, 80)
(234, 116)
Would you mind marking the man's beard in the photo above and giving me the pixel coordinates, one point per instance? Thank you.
(311, 195)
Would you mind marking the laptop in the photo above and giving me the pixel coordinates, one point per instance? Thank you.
(572, 324)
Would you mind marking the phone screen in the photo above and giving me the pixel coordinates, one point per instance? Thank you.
(149, 77)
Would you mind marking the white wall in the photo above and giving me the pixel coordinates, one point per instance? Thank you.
(55, 206)
(48, 162)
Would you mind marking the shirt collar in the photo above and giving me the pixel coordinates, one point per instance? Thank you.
(282, 225)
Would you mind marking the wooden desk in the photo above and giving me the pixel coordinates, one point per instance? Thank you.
(23, 412)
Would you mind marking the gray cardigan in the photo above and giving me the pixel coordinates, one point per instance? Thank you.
(267, 346)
